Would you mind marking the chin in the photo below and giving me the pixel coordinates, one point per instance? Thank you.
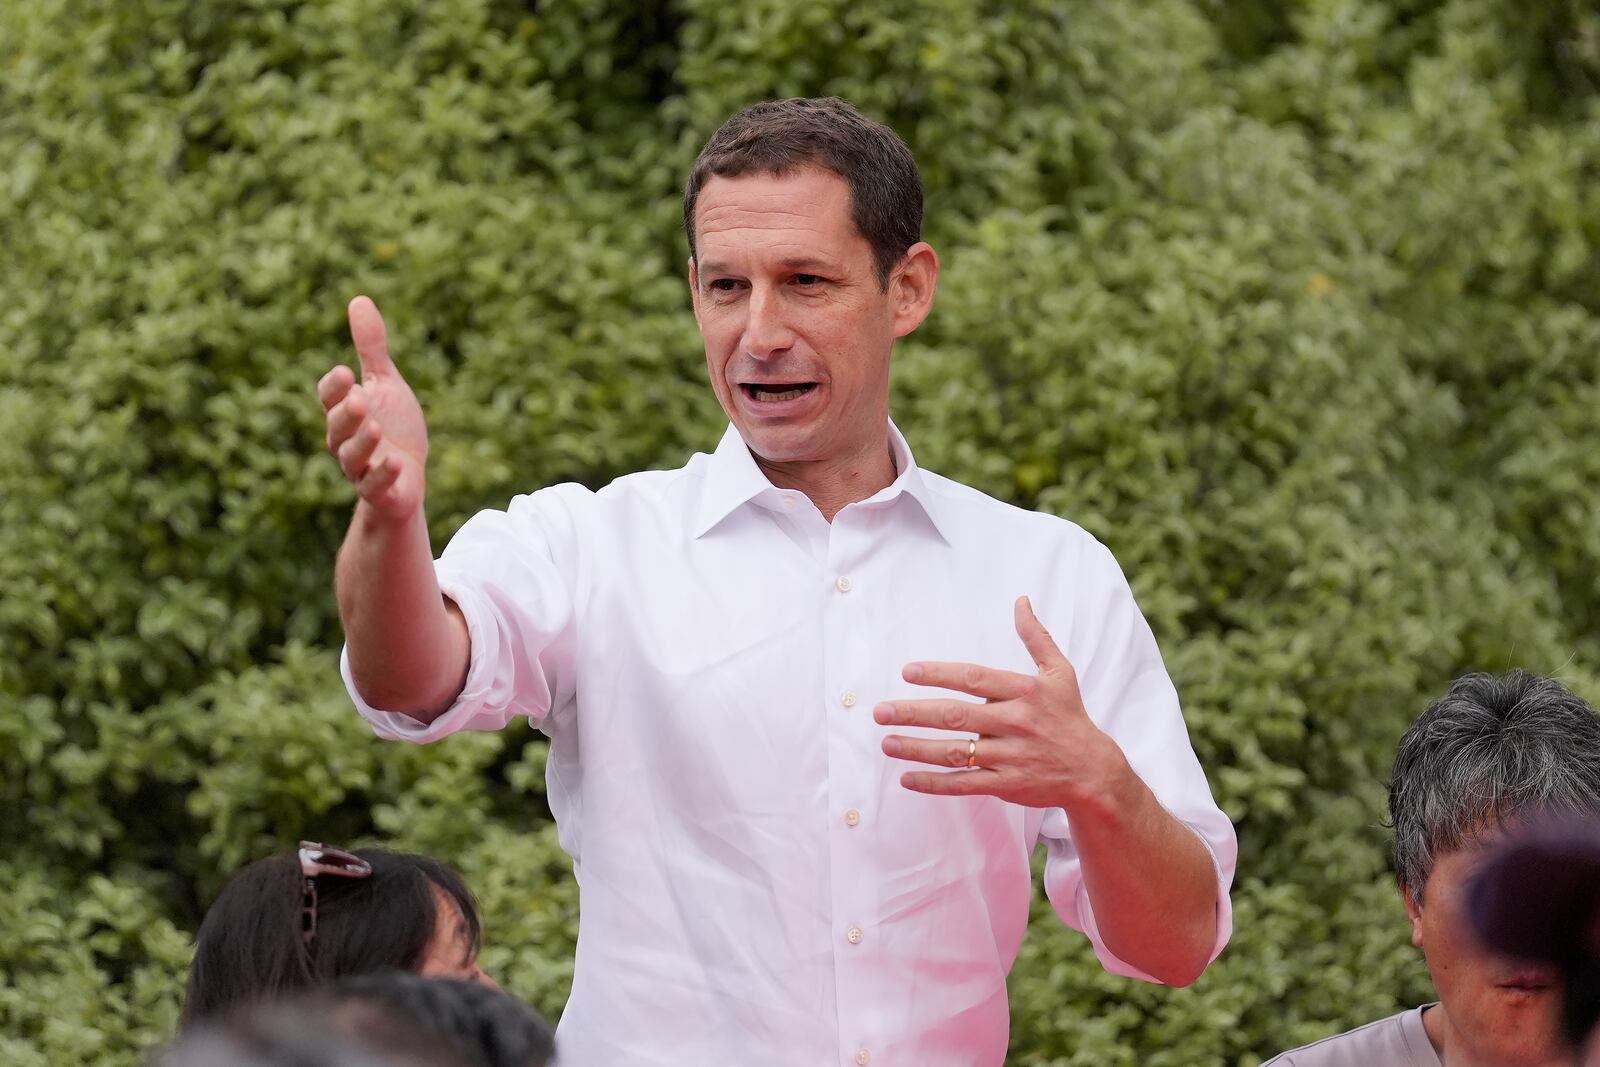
(1526, 1042)
(778, 445)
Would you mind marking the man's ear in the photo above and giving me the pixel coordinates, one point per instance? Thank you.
(1414, 913)
(911, 287)
(694, 290)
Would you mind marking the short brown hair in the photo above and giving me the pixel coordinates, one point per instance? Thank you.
(779, 136)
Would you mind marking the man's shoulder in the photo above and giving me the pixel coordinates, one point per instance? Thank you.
(974, 510)
(633, 488)
(1396, 1041)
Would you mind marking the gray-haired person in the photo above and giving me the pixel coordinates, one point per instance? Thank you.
(1492, 753)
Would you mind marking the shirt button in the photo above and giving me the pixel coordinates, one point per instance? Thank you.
(788, 503)
(848, 698)
(852, 817)
(854, 935)
(842, 583)
(863, 1057)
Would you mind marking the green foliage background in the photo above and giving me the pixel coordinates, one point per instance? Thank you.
(1294, 305)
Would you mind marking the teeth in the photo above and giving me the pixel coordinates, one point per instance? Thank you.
(763, 393)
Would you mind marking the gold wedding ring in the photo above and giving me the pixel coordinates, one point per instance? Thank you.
(972, 753)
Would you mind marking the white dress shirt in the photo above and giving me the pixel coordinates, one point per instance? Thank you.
(704, 651)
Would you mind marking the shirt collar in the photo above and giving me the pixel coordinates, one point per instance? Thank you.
(732, 480)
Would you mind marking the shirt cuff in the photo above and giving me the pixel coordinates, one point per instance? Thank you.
(467, 711)
(1114, 964)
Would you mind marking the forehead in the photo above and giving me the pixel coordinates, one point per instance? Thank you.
(1461, 860)
(805, 211)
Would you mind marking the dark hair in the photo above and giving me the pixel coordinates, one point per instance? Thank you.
(780, 136)
(249, 947)
(288, 1035)
(491, 1028)
(1493, 748)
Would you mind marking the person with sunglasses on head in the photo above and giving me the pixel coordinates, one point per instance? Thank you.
(305, 917)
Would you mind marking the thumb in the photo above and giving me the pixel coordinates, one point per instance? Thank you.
(372, 342)
(1041, 646)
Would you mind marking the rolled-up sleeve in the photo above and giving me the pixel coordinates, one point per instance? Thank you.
(514, 575)
(1129, 695)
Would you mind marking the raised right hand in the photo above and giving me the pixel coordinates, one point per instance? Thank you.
(375, 427)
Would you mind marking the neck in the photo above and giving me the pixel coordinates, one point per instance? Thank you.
(832, 484)
(1454, 1052)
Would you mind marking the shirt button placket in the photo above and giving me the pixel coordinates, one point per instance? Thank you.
(851, 898)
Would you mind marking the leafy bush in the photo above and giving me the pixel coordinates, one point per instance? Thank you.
(1295, 306)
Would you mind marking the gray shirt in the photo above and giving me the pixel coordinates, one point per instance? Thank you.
(1398, 1041)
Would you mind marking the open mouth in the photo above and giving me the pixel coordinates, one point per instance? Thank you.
(776, 392)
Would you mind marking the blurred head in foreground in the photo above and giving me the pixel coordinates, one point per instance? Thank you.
(388, 1019)
(1492, 755)
(305, 917)
(1538, 899)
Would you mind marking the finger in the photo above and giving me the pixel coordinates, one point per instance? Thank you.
(1041, 646)
(379, 479)
(952, 783)
(333, 386)
(940, 714)
(372, 343)
(346, 417)
(980, 681)
(950, 752)
(356, 453)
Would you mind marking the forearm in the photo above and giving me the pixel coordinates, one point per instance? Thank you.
(1150, 880)
(408, 644)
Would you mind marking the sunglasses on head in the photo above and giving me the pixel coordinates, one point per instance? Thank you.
(316, 859)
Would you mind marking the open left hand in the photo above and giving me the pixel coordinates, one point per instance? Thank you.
(1036, 744)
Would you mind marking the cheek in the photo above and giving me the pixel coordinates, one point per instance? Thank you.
(716, 370)
(721, 341)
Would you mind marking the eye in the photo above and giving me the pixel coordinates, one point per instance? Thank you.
(723, 285)
(807, 280)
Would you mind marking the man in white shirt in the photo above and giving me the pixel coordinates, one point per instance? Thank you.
(1492, 753)
(750, 667)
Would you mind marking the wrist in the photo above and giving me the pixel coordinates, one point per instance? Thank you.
(371, 521)
(1114, 796)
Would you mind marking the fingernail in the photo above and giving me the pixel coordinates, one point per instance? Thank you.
(912, 673)
(891, 746)
(883, 713)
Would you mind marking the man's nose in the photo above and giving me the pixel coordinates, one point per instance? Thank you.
(766, 330)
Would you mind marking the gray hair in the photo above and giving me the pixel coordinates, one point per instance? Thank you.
(1492, 749)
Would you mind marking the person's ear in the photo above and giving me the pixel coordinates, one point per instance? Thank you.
(1413, 913)
(694, 291)
(911, 287)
